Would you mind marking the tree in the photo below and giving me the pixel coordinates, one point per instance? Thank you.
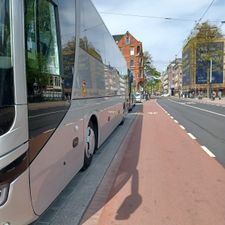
(207, 33)
(152, 80)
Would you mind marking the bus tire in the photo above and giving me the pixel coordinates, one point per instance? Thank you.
(125, 111)
(90, 145)
(122, 121)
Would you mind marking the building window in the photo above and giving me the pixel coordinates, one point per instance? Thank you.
(131, 50)
(138, 50)
(127, 40)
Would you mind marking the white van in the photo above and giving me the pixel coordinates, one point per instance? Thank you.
(138, 97)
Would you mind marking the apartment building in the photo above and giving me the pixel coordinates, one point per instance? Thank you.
(132, 51)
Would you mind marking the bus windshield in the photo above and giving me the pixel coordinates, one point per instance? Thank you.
(6, 69)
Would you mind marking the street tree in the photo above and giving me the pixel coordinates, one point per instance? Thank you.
(152, 80)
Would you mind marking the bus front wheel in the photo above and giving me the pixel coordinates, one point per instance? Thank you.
(90, 145)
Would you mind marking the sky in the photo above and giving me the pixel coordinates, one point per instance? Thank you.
(162, 38)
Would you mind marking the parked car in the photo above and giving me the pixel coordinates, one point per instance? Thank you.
(138, 97)
(165, 95)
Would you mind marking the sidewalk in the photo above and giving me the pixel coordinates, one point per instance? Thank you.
(165, 178)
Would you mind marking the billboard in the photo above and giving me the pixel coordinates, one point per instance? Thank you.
(204, 52)
(187, 75)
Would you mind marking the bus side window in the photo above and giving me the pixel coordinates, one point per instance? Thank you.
(42, 55)
(46, 103)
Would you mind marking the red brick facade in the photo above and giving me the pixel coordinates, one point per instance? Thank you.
(133, 53)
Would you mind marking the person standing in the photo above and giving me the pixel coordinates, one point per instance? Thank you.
(220, 94)
(213, 95)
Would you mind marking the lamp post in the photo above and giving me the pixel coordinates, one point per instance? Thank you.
(210, 78)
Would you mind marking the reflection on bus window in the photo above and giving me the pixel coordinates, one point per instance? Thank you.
(42, 52)
(68, 40)
(47, 102)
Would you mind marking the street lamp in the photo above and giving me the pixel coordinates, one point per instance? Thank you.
(210, 78)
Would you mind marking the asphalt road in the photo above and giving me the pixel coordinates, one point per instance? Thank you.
(205, 122)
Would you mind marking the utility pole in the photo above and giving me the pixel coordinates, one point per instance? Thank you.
(210, 79)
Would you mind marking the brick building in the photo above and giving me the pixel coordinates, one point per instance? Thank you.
(132, 51)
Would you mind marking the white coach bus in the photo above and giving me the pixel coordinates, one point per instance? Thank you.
(63, 90)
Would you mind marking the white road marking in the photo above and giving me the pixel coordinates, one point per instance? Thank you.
(162, 108)
(192, 136)
(152, 113)
(190, 103)
(194, 107)
(171, 117)
(175, 121)
(182, 127)
(208, 152)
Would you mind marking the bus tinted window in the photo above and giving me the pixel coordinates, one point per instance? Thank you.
(47, 102)
(98, 70)
(68, 40)
(6, 69)
(43, 70)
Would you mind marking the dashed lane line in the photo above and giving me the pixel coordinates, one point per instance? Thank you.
(208, 152)
(192, 136)
(182, 127)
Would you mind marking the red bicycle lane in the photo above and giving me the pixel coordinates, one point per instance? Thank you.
(164, 178)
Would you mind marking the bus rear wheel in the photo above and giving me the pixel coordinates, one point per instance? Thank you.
(90, 145)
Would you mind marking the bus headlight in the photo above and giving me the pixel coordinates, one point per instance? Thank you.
(4, 190)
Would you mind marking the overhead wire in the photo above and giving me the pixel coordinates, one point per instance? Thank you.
(148, 16)
(210, 5)
(199, 20)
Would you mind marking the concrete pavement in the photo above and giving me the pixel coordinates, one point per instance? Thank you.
(164, 178)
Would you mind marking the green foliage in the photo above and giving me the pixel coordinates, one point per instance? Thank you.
(150, 83)
(147, 58)
(68, 57)
(36, 69)
(207, 33)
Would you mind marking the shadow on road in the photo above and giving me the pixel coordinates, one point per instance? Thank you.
(131, 202)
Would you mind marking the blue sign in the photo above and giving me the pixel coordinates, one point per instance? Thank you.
(186, 78)
(204, 51)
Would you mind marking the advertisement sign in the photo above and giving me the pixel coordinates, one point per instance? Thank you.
(204, 53)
